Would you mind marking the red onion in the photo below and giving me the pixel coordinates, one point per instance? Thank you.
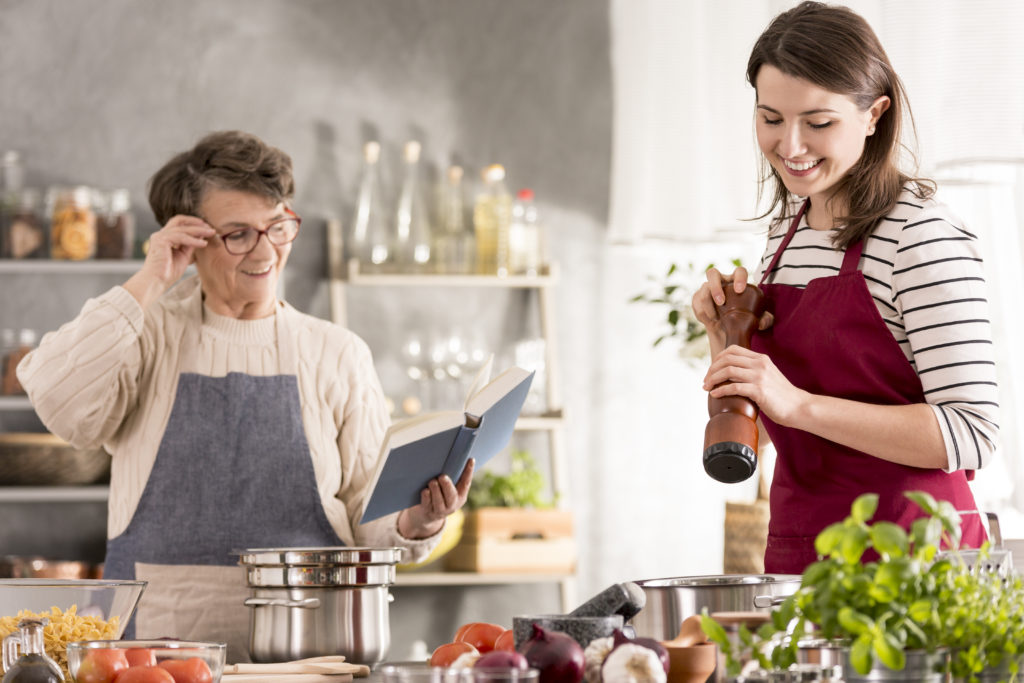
(502, 659)
(558, 657)
(620, 638)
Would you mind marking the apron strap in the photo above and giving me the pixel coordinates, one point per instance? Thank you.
(852, 258)
(785, 241)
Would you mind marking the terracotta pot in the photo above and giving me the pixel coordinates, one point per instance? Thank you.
(691, 664)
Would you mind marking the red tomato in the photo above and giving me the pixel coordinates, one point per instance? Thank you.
(140, 656)
(144, 674)
(445, 654)
(506, 641)
(460, 631)
(191, 670)
(482, 635)
(101, 665)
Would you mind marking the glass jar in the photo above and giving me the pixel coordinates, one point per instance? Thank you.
(115, 228)
(24, 234)
(73, 225)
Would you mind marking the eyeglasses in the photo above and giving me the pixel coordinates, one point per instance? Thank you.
(279, 233)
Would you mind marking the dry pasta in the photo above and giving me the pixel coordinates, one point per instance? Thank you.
(63, 627)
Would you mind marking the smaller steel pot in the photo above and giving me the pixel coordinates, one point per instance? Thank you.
(311, 602)
(669, 601)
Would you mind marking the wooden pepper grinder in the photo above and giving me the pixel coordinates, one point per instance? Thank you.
(730, 439)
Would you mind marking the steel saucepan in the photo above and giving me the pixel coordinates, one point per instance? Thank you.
(669, 601)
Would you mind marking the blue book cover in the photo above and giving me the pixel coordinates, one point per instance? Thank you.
(419, 449)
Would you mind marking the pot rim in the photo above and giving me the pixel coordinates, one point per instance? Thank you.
(720, 581)
(323, 556)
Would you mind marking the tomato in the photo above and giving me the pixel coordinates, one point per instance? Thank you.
(191, 670)
(140, 656)
(101, 665)
(445, 654)
(461, 630)
(144, 674)
(482, 635)
(506, 641)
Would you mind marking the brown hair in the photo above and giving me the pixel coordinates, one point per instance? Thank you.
(226, 160)
(834, 48)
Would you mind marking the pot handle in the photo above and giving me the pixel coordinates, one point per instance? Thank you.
(307, 603)
(766, 601)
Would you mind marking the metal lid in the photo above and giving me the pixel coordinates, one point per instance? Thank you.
(319, 557)
(712, 581)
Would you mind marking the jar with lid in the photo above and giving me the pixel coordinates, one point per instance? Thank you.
(73, 224)
(115, 227)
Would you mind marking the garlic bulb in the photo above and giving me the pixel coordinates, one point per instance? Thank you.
(630, 663)
(465, 661)
(593, 658)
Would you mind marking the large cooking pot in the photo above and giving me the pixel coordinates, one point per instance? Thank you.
(310, 602)
(669, 601)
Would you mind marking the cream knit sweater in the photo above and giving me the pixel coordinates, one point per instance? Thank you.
(110, 376)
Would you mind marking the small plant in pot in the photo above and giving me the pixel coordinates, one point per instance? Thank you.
(889, 597)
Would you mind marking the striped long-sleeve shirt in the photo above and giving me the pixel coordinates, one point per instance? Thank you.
(925, 273)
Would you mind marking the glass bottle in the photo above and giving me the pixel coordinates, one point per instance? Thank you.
(525, 236)
(73, 225)
(492, 213)
(412, 222)
(115, 230)
(371, 245)
(33, 665)
(454, 243)
(11, 180)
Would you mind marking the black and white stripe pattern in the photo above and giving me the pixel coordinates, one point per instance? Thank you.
(925, 273)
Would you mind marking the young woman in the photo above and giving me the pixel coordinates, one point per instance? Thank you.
(873, 366)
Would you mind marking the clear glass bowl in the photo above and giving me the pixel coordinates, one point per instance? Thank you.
(91, 598)
(101, 609)
(140, 652)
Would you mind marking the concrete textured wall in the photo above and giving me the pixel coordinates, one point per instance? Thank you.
(103, 92)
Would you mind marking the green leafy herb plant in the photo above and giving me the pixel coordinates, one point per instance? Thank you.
(522, 487)
(674, 290)
(912, 597)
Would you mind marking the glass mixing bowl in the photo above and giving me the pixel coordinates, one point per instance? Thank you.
(178, 657)
(74, 609)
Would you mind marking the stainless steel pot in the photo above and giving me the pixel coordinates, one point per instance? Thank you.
(310, 602)
(669, 601)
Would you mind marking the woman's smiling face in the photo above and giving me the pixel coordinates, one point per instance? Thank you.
(240, 286)
(811, 136)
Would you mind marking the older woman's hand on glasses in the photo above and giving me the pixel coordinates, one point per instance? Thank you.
(440, 499)
(171, 250)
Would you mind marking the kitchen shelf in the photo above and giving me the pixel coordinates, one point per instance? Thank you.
(58, 267)
(414, 578)
(53, 494)
(344, 275)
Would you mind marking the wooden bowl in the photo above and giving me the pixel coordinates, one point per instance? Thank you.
(41, 459)
(692, 663)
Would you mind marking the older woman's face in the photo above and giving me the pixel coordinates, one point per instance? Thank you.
(240, 286)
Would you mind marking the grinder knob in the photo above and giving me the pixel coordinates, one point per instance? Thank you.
(730, 439)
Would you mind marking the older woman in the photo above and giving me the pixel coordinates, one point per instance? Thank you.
(234, 420)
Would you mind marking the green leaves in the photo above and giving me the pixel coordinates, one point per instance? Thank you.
(910, 597)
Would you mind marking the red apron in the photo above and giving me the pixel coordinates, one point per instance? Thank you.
(830, 339)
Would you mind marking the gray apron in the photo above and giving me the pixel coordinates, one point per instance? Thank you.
(233, 471)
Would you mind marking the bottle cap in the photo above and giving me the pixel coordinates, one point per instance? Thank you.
(525, 194)
(120, 201)
(494, 173)
(371, 151)
(412, 152)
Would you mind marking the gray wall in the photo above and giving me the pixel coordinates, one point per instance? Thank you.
(103, 92)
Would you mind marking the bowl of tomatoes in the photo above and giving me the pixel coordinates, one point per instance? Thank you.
(146, 661)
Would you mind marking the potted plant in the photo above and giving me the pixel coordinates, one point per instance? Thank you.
(890, 598)
(510, 526)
